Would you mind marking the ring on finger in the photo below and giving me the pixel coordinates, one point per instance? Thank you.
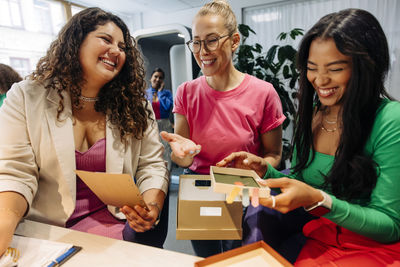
(273, 201)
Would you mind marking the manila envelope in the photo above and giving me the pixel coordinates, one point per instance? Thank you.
(113, 189)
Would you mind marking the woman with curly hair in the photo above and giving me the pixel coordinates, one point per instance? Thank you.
(8, 76)
(83, 108)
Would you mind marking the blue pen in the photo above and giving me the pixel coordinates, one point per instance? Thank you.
(59, 259)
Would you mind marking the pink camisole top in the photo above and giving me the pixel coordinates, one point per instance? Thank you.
(91, 214)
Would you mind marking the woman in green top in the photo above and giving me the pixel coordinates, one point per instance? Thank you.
(346, 164)
(8, 77)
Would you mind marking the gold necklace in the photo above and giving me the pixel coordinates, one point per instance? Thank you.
(328, 130)
(330, 122)
(324, 119)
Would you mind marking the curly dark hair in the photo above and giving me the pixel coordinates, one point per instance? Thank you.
(357, 34)
(8, 76)
(122, 99)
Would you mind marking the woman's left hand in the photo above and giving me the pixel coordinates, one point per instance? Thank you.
(294, 194)
(140, 219)
(181, 147)
(245, 160)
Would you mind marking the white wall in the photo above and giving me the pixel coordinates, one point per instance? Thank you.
(177, 64)
(154, 18)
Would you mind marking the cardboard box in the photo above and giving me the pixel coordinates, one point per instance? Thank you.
(203, 214)
(256, 254)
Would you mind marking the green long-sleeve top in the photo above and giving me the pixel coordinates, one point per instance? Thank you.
(379, 218)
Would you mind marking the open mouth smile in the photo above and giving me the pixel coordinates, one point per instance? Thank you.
(108, 62)
(208, 62)
(326, 92)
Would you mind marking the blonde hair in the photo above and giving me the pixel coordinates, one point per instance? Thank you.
(223, 9)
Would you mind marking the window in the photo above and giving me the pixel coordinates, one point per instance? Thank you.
(10, 13)
(21, 65)
(43, 16)
(27, 27)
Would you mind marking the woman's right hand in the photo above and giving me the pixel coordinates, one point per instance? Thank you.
(5, 239)
(12, 207)
(8, 223)
(245, 160)
(181, 146)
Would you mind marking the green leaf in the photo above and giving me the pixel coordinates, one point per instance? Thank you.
(285, 72)
(244, 30)
(292, 82)
(259, 75)
(258, 48)
(298, 31)
(261, 62)
(286, 123)
(286, 52)
(271, 53)
(282, 36)
(268, 78)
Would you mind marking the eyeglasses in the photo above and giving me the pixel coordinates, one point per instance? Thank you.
(211, 43)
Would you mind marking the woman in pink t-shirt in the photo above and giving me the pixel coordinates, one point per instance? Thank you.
(225, 110)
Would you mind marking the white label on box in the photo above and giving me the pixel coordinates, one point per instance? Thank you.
(210, 211)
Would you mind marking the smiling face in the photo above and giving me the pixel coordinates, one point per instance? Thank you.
(328, 70)
(156, 80)
(102, 54)
(217, 61)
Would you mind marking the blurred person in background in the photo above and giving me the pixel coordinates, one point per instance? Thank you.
(162, 103)
(8, 76)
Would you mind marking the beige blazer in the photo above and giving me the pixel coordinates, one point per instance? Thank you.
(37, 153)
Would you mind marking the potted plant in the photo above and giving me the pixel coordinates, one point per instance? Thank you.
(277, 66)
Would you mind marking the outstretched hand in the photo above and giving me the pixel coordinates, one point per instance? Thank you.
(245, 160)
(181, 146)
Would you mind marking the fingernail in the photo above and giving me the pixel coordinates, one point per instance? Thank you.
(191, 152)
(197, 151)
(246, 161)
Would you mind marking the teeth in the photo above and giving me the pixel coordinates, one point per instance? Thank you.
(109, 62)
(326, 92)
(207, 61)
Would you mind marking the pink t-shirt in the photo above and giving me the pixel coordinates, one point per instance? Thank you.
(226, 122)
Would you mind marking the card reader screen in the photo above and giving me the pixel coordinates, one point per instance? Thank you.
(231, 179)
(202, 182)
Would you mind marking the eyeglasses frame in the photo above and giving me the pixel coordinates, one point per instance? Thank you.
(204, 42)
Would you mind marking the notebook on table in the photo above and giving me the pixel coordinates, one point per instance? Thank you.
(34, 252)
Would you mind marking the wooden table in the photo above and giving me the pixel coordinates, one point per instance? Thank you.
(102, 251)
